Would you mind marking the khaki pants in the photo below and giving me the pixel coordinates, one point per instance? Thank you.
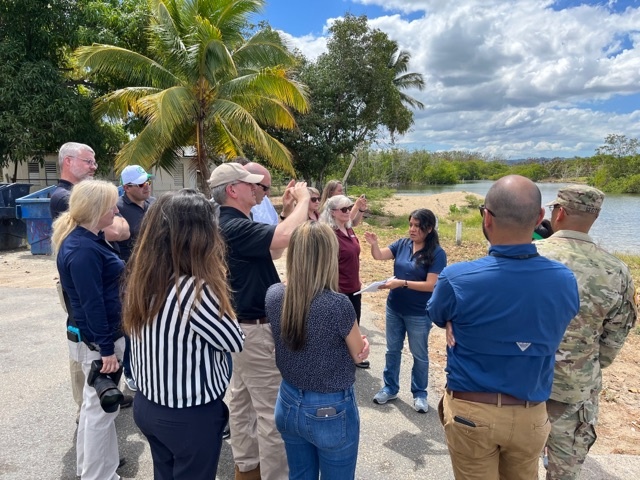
(505, 443)
(254, 390)
(572, 434)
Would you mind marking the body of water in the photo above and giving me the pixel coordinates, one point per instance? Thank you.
(617, 229)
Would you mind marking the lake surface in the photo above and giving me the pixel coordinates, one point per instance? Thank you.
(617, 229)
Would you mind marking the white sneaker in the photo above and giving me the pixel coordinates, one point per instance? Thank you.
(383, 397)
(420, 405)
(130, 383)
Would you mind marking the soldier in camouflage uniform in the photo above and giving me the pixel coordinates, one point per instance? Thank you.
(594, 337)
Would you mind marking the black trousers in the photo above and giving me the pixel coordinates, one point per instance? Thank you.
(356, 301)
(185, 442)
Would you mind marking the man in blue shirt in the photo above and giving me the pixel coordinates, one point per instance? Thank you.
(505, 316)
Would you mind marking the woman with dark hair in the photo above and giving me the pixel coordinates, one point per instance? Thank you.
(417, 262)
(317, 342)
(178, 313)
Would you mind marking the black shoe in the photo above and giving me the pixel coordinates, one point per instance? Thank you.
(364, 364)
(122, 463)
(226, 433)
(126, 402)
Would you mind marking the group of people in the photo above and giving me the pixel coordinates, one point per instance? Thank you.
(207, 316)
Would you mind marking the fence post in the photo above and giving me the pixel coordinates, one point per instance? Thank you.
(458, 233)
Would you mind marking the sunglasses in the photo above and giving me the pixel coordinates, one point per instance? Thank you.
(139, 185)
(264, 187)
(344, 209)
(315, 199)
(482, 209)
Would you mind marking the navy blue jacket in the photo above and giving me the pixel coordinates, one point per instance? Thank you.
(90, 272)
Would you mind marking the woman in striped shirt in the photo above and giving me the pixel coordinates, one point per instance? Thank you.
(178, 313)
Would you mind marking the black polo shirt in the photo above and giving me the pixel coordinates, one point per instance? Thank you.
(59, 202)
(132, 213)
(251, 269)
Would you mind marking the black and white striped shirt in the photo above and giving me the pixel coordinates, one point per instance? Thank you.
(179, 360)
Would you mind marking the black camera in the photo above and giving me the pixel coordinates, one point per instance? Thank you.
(106, 385)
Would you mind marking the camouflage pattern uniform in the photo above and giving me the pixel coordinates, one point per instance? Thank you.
(592, 340)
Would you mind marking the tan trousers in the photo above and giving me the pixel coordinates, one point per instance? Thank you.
(505, 443)
(254, 391)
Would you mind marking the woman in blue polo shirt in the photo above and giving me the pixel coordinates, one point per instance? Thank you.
(417, 262)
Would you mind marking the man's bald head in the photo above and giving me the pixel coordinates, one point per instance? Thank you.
(516, 202)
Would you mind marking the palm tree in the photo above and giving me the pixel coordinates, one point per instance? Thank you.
(206, 86)
(399, 63)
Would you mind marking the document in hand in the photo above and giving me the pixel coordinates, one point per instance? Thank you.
(373, 287)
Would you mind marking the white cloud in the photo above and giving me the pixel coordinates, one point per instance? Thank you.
(514, 75)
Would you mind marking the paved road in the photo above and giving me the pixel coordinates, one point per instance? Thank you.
(37, 415)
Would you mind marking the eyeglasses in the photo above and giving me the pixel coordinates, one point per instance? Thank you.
(92, 163)
(315, 199)
(482, 209)
(557, 205)
(265, 188)
(139, 185)
(344, 209)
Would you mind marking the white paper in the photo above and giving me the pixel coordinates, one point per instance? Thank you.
(373, 287)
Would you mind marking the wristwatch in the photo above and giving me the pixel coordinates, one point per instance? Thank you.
(406, 285)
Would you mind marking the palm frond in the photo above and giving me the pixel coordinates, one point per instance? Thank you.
(132, 67)
(169, 109)
(117, 105)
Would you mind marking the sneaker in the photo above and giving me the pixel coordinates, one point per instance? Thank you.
(383, 397)
(130, 383)
(226, 433)
(126, 402)
(420, 405)
(364, 364)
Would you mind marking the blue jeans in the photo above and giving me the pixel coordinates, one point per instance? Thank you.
(417, 330)
(325, 445)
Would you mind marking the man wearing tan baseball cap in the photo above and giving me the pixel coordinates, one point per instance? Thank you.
(258, 449)
(594, 336)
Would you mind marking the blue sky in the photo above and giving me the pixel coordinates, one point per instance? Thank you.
(508, 78)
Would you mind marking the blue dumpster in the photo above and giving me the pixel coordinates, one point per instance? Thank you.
(13, 233)
(34, 211)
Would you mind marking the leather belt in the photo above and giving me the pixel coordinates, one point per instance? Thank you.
(491, 398)
(254, 321)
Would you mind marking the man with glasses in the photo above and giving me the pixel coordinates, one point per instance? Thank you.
(263, 210)
(133, 206)
(134, 203)
(77, 162)
(257, 446)
(505, 315)
(594, 337)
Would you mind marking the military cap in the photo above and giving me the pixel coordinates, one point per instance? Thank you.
(580, 197)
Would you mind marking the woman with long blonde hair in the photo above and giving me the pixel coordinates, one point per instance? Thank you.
(318, 342)
(178, 313)
(90, 272)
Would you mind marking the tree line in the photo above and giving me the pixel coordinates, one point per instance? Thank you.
(614, 168)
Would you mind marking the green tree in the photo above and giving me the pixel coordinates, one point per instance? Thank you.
(42, 103)
(356, 92)
(204, 85)
(618, 146)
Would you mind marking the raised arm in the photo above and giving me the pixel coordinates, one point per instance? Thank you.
(300, 213)
(357, 212)
(377, 252)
